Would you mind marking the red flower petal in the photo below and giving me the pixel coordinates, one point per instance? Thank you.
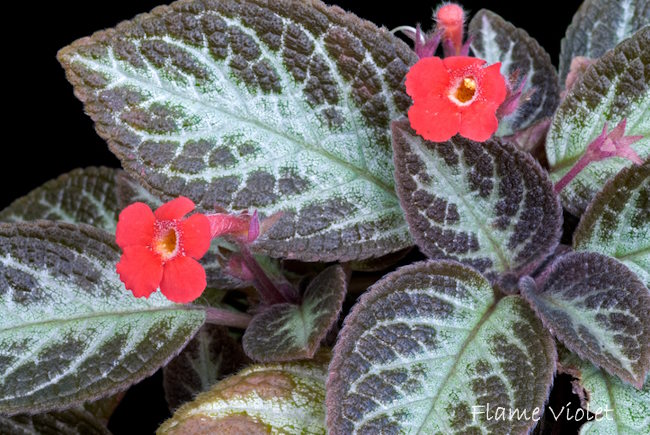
(480, 123)
(183, 280)
(435, 119)
(174, 209)
(427, 77)
(461, 65)
(135, 226)
(492, 85)
(195, 235)
(140, 270)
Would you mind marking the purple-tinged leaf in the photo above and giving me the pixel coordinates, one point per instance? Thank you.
(285, 332)
(74, 421)
(617, 222)
(488, 205)
(599, 310)
(428, 345)
(496, 40)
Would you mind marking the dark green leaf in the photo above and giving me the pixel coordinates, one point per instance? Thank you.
(70, 422)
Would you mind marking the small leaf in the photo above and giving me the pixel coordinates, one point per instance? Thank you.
(615, 87)
(426, 346)
(273, 106)
(69, 331)
(71, 422)
(600, 25)
(80, 196)
(285, 332)
(617, 222)
(599, 310)
(488, 205)
(497, 40)
(211, 355)
(618, 408)
(283, 398)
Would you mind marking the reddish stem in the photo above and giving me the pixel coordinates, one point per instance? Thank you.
(573, 172)
(219, 316)
(269, 292)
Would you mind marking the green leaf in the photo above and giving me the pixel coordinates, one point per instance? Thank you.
(285, 332)
(497, 40)
(598, 309)
(428, 345)
(81, 196)
(103, 409)
(243, 104)
(285, 398)
(617, 86)
(130, 191)
(211, 355)
(617, 222)
(69, 330)
(70, 422)
(598, 26)
(618, 408)
(488, 205)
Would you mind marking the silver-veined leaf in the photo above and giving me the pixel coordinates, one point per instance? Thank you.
(489, 205)
(598, 309)
(70, 422)
(598, 26)
(497, 40)
(285, 332)
(617, 86)
(617, 222)
(285, 398)
(428, 347)
(69, 330)
(277, 106)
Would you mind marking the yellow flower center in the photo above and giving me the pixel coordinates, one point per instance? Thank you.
(465, 90)
(166, 244)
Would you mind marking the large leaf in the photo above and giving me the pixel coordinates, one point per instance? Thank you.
(599, 310)
(617, 222)
(497, 40)
(274, 398)
(81, 196)
(618, 408)
(211, 355)
(69, 330)
(487, 204)
(257, 104)
(599, 25)
(428, 348)
(617, 86)
(284, 332)
(71, 422)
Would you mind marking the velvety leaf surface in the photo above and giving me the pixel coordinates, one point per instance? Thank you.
(102, 409)
(283, 398)
(488, 205)
(497, 40)
(285, 332)
(599, 310)
(617, 222)
(617, 86)
(429, 342)
(621, 409)
(211, 355)
(81, 196)
(257, 104)
(69, 330)
(599, 25)
(71, 422)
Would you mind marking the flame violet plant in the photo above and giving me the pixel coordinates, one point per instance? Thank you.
(322, 228)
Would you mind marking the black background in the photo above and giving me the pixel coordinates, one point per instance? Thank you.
(46, 132)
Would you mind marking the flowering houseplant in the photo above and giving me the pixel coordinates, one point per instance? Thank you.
(291, 151)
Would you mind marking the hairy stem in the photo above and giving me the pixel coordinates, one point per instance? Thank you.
(220, 316)
(269, 292)
(575, 170)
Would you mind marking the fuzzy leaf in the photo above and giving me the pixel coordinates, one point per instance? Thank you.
(429, 342)
(277, 106)
(85, 196)
(211, 355)
(285, 332)
(71, 422)
(617, 222)
(488, 205)
(283, 398)
(618, 408)
(598, 26)
(497, 40)
(617, 86)
(599, 310)
(103, 409)
(69, 331)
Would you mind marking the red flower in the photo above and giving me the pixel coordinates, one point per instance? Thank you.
(161, 249)
(457, 94)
